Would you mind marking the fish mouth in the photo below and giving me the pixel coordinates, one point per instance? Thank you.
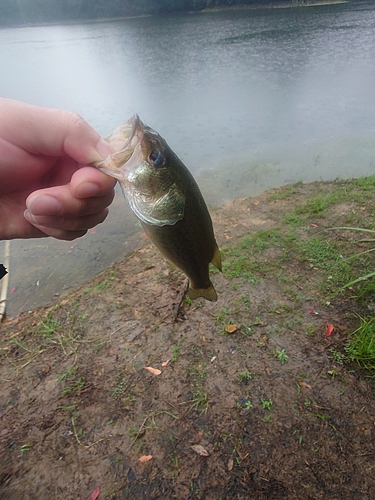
(132, 133)
(126, 140)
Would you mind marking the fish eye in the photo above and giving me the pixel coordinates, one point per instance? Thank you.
(157, 158)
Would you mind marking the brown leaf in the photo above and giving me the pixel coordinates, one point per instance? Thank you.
(145, 458)
(230, 463)
(199, 436)
(259, 323)
(231, 328)
(166, 363)
(303, 384)
(154, 371)
(198, 448)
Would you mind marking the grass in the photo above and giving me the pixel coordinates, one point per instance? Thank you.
(360, 347)
(73, 386)
(106, 284)
(357, 256)
(317, 205)
(343, 193)
(266, 403)
(200, 400)
(286, 191)
(244, 376)
(239, 261)
(281, 356)
(176, 352)
(25, 447)
(246, 260)
(244, 404)
(72, 382)
(49, 326)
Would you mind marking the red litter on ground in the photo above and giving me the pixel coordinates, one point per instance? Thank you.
(329, 330)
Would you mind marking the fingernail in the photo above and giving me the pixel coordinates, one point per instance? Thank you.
(42, 220)
(29, 216)
(43, 205)
(87, 190)
(104, 148)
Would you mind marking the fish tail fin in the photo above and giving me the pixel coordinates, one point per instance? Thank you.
(216, 259)
(207, 293)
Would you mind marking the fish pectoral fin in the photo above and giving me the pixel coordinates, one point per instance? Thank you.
(216, 259)
(207, 293)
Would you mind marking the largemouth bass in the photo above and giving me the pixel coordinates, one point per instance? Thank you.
(165, 197)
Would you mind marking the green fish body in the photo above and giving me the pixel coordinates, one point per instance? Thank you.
(165, 197)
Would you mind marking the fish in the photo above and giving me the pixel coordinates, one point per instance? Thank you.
(163, 194)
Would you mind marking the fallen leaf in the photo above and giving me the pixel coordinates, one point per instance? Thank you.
(198, 448)
(303, 384)
(259, 323)
(329, 330)
(145, 458)
(231, 328)
(95, 494)
(230, 463)
(166, 363)
(154, 371)
(199, 435)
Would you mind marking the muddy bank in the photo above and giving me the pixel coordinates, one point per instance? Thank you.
(253, 400)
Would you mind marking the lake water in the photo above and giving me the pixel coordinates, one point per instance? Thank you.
(249, 99)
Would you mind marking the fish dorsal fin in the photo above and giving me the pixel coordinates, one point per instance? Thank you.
(216, 259)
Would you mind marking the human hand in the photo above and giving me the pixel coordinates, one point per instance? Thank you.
(47, 187)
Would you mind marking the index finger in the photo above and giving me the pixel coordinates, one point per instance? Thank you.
(51, 132)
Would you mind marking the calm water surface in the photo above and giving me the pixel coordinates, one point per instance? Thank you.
(248, 99)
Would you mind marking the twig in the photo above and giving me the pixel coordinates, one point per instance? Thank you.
(177, 306)
(75, 432)
(77, 438)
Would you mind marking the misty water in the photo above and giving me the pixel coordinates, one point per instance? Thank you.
(249, 99)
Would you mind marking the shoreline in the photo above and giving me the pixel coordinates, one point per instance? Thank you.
(271, 5)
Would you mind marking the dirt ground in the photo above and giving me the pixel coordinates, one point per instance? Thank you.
(254, 403)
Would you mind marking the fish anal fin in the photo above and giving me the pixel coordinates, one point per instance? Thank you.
(216, 259)
(207, 293)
